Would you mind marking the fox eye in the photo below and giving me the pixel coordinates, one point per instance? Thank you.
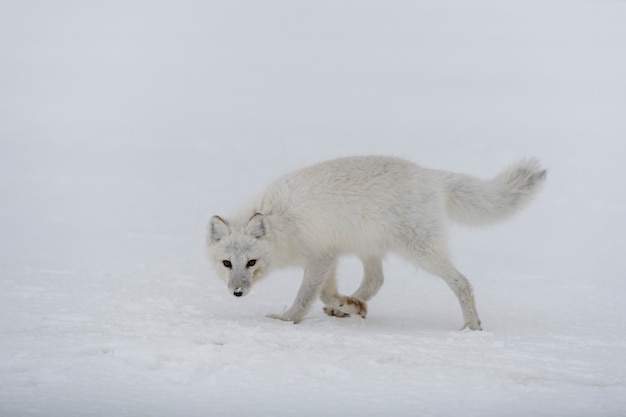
(250, 263)
(227, 264)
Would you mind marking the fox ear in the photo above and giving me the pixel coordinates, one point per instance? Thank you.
(257, 226)
(218, 229)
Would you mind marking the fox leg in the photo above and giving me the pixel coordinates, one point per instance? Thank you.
(372, 278)
(318, 270)
(339, 305)
(437, 263)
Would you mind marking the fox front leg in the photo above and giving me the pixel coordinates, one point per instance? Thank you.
(315, 273)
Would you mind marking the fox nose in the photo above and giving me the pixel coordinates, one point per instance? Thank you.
(238, 292)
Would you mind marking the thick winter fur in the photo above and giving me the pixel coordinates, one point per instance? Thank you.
(366, 206)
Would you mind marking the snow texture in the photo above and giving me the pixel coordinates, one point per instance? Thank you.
(125, 125)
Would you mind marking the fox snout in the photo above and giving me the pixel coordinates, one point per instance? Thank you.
(239, 289)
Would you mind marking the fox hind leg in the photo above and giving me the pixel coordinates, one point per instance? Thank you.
(437, 263)
(429, 253)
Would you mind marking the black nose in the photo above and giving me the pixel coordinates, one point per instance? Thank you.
(238, 293)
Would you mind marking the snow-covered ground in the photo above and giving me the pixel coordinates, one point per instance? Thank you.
(125, 125)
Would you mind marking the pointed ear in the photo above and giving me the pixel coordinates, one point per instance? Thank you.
(218, 229)
(257, 226)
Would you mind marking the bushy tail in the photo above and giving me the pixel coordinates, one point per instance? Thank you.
(475, 201)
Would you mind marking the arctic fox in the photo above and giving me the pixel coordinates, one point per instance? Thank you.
(366, 206)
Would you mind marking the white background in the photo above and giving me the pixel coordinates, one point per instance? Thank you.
(125, 125)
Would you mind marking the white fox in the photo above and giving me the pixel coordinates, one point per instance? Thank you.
(367, 206)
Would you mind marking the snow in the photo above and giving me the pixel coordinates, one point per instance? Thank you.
(125, 125)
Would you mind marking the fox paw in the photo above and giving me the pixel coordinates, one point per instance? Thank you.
(351, 305)
(475, 325)
(284, 317)
(335, 312)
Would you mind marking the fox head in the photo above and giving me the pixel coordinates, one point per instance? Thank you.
(240, 252)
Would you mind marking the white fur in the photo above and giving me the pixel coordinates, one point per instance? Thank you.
(367, 206)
